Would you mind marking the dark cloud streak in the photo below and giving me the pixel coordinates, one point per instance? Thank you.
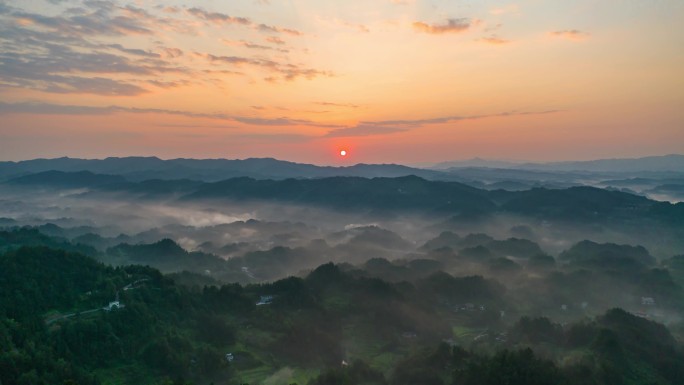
(60, 109)
(224, 19)
(364, 130)
(218, 18)
(287, 71)
(331, 104)
(572, 34)
(385, 127)
(451, 26)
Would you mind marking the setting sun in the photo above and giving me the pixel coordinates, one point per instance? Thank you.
(363, 192)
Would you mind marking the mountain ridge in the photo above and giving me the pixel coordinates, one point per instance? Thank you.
(669, 162)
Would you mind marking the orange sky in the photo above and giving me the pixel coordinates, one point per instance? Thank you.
(396, 81)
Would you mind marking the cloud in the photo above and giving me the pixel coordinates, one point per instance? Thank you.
(331, 104)
(168, 9)
(46, 62)
(168, 84)
(171, 52)
(217, 18)
(54, 109)
(328, 22)
(223, 19)
(239, 60)
(570, 34)
(275, 40)
(85, 49)
(101, 18)
(287, 71)
(451, 26)
(61, 109)
(385, 127)
(270, 28)
(275, 138)
(72, 52)
(34, 73)
(367, 128)
(493, 28)
(447, 119)
(364, 130)
(246, 44)
(509, 9)
(190, 125)
(97, 85)
(270, 121)
(132, 51)
(494, 40)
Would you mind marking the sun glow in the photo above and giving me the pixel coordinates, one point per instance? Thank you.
(343, 153)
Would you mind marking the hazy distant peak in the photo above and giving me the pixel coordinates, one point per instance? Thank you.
(671, 162)
(474, 162)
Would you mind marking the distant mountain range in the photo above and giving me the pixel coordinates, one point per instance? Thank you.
(671, 162)
(211, 170)
(145, 168)
(381, 195)
(659, 177)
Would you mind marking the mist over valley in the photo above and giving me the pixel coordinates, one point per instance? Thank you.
(429, 259)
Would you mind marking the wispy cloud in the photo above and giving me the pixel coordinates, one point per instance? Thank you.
(274, 29)
(250, 45)
(45, 62)
(494, 40)
(99, 18)
(96, 23)
(73, 51)
(171, 52)
(570, 34)
(133, 51)
(224, 19)
(450, 26)
(335, 22)
(61, 109)
(503, 10)
(217, 18)
(384, 127)
(274, 137)
(447, 119)
(275, 40)
(286, 71)
(331, 104)
(364, 130)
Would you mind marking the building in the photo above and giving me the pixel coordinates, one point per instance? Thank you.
(113, 305)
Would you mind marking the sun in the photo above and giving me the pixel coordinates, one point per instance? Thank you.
(343, 153)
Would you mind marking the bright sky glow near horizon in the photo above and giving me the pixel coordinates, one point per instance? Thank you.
(390, 81)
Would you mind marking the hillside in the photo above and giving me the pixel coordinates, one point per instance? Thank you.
(301, 329)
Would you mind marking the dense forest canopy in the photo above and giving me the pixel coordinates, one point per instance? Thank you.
(109, 279)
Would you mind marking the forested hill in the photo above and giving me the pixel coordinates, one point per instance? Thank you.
(58, 325)
(402, 193)
(407, 193)
(143, 168)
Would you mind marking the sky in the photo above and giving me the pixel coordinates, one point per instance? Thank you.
(388, 81)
